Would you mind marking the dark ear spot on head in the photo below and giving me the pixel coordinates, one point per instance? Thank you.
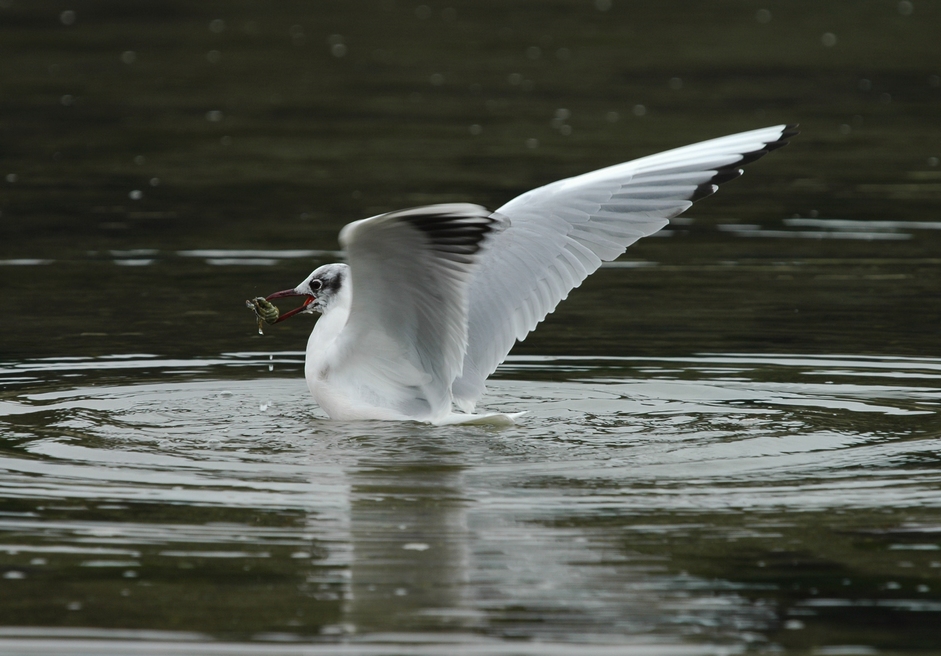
(334, 282)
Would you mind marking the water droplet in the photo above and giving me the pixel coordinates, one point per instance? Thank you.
(338, 50)
(67, 100)
(676, 83)
(475, 129)
(845, 128)
(933, 161)
(639, 110)
(217, 26)
(154, 182)
(128, 56)
(562, 113)
(437, 79)
(533, 52)
(532, 143)
(213, 56)
(602, 5)
(828, 39)
(14, 575)
(449, 14)
(865, 85)
(137, 194)
(214, 115)
(885, 98)
(423, 12)
(226, 140)
(565, 130)
(794, 625)
(763, 16)
(11, 177)
(612, 117)
(514, 78)
(139, 160)
(38, 561)
(67, 17)
(74, 605)
(906, 8)
(563, 54)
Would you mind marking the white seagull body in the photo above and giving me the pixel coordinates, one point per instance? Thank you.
(433, 298)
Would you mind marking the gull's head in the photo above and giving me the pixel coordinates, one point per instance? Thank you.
(320, 289)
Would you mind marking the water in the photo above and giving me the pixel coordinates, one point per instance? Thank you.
(731, 434)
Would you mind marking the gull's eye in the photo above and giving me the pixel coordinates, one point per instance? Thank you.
(316, 285)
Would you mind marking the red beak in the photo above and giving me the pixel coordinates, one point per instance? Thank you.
(290, 292)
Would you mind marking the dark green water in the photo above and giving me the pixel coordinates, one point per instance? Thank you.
(733, 432)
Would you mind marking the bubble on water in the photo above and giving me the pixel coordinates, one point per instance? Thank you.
(639, 110)
(865, 85)
(437, 79)
(565, 130)
(67, 17)
(338, 50)
(845, 128)
(562, 113)
(532, 143)
(128, 56)
(676, 83)
(514, 78)
(933, 161)
(137, 194)
(416, 546)
(885, 98)
(154, 182)
(139, 160)
(828, 39)
(217, 26)
(612, 117)
(11, 177)
(475, 129)
(74, 605)
(906, 8)
(67, 100)
(763, 16)
(214, 115)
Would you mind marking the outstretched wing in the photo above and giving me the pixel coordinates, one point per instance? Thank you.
(561, 233)
(406, 334)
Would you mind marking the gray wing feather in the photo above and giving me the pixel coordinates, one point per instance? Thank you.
(561, 233)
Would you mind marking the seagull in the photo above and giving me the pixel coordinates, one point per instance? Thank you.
(432, 299)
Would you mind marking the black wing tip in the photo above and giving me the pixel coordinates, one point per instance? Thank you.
(733, 171)
(451, 227)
